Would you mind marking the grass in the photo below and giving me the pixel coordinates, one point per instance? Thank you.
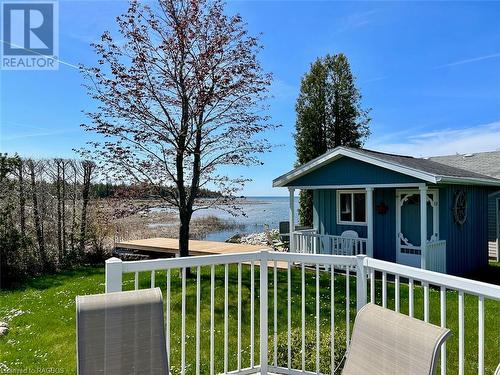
(42, 318)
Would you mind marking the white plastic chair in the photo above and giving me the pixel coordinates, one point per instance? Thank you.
(348, 241)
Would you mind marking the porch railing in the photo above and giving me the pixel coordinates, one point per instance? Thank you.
(436, 256)
(310, 242)
(284, 316)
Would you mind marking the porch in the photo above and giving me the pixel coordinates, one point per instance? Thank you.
(240, 314)
(396, 222)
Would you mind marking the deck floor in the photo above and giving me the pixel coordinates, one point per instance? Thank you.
(171, 246)
(196, 247)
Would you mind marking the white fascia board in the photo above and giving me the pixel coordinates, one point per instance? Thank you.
(358, 186)
(339, 152)
(467, 181)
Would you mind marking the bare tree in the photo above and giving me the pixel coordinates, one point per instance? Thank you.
(74, 197)
(87, 167)
(54, 171)
(22, 198)
(34, 167)
(180, 101)
(64, 164)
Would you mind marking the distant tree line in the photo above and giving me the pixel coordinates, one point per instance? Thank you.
(110, 190)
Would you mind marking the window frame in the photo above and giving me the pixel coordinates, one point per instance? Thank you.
(338, 209)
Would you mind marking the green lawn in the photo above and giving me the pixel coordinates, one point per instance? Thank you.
(42, 318)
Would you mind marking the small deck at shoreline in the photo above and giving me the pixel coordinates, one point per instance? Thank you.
(196, 247)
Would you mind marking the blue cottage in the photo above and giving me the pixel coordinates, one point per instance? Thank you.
(412, 211)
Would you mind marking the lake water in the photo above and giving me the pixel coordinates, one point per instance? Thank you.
(259, 212)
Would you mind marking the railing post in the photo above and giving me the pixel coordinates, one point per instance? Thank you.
(292, 221)
(360, 281)
(423, 227)
(114, 272)
(263, 312)
(369, 221)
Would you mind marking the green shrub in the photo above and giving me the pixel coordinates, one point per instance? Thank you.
(310, 349)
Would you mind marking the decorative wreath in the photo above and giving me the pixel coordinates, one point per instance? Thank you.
(382, 208)
(460, 208)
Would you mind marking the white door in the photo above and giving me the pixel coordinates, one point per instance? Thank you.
(408, 250)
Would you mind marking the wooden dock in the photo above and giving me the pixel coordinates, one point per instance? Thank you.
(171, 246)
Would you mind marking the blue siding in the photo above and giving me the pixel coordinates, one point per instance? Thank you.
(384, 226)
(466, 245)
(347, 171)
(325, 220)
(492, 216)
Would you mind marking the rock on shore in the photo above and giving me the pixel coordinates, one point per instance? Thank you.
(267, 238)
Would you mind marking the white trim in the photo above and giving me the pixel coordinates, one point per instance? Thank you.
(369, 220)
(435, 221)
(423, 226)
(291, 222)
(374, 186)
(337, 213)
(340, 151)
(467, 181)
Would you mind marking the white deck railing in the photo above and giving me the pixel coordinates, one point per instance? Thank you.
(436, 256)
(254, 315)
(310, 242)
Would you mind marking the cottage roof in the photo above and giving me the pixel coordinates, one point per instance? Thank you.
(485, 163)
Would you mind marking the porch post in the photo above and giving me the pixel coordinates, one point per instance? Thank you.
(292, 219)
(369, 221)
(423, 226)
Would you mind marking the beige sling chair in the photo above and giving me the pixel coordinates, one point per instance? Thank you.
(385, 342)
(121, 333)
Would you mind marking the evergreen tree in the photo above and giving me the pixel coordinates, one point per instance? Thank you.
(329, 114)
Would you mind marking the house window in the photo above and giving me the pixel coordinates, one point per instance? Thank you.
(351, 207)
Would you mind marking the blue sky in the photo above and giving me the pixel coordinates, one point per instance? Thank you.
(429, 70)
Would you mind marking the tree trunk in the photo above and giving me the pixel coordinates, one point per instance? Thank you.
(73, 223)
(22, 201)
(36, 217)
(59, 213)
(87, 174)
(63, 204)
(185, 219)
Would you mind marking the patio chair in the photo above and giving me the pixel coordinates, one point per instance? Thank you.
(385, 342)
(497, 371)
(347, 244)
(121, 333)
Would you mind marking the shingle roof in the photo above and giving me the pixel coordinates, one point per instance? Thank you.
(430, 165)
(486, 163)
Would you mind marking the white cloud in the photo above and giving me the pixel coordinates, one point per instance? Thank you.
(444, 142)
